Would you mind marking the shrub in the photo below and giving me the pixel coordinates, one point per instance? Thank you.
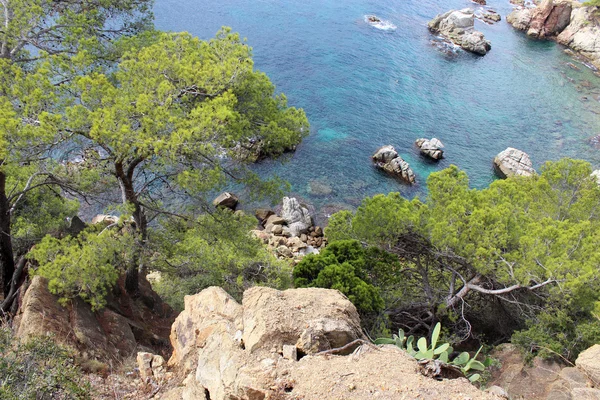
(38, 369)
(359, 273)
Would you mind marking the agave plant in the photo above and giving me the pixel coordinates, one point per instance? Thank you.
(467, 364)
(442, 353)
(423, 351)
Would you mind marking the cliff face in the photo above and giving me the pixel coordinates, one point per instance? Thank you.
(113, 333)
(583, 33)
(566, 21)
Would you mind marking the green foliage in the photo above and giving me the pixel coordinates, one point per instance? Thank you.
(464, 361)
(183, 110)
(86, 266)
(38, 369)
(361, 274)
(60, 26)
(523, 235)
(215, 250)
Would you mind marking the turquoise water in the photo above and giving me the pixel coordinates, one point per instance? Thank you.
(362, 88)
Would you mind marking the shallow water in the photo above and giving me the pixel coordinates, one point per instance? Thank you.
(362, 87)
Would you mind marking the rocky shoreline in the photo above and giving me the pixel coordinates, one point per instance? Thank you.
(565, 21)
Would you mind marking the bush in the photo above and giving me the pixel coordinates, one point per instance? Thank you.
(84, 266)
(38, 369)
(359, 273)
(215, 250)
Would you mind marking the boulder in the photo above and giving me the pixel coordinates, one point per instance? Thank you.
(284, 251)
(144, 362)
(274, 220)
(549, 18)
(76, 226)
(313, 319)
(296, 244)
(400, 168)
(458, 27)
(385, 154)
(520, 18)
(226, 200)
(387, 159)
(296, 216)
(513, 162)
(263, 236)
(589, 362)
(277, 229)
(262, 214)
(544, 379)
(431, 148)
(210, 313)
(523, 380)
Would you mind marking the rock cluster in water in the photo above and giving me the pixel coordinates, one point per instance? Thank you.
(565, 21)
(387, 159)
(458, 27)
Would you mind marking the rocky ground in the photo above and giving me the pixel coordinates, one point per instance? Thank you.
(293, 344)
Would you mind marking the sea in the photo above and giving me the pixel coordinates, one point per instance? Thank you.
(364, 86)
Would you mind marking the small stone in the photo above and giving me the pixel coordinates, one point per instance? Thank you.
(290, 352)
(498, 391)
(277, 230)
(275, 220)
(304, 238)
(319, 231)
(262, 214)
(285, 252)
(268, 362)
(144, 361)
(157, 361)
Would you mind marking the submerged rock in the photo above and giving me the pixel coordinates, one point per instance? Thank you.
(431, 147)
(387, 159)
(458, 27)
(513, 162)
(491, 16)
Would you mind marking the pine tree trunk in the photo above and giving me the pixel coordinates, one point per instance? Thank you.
(7, 262)
(129, 196)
